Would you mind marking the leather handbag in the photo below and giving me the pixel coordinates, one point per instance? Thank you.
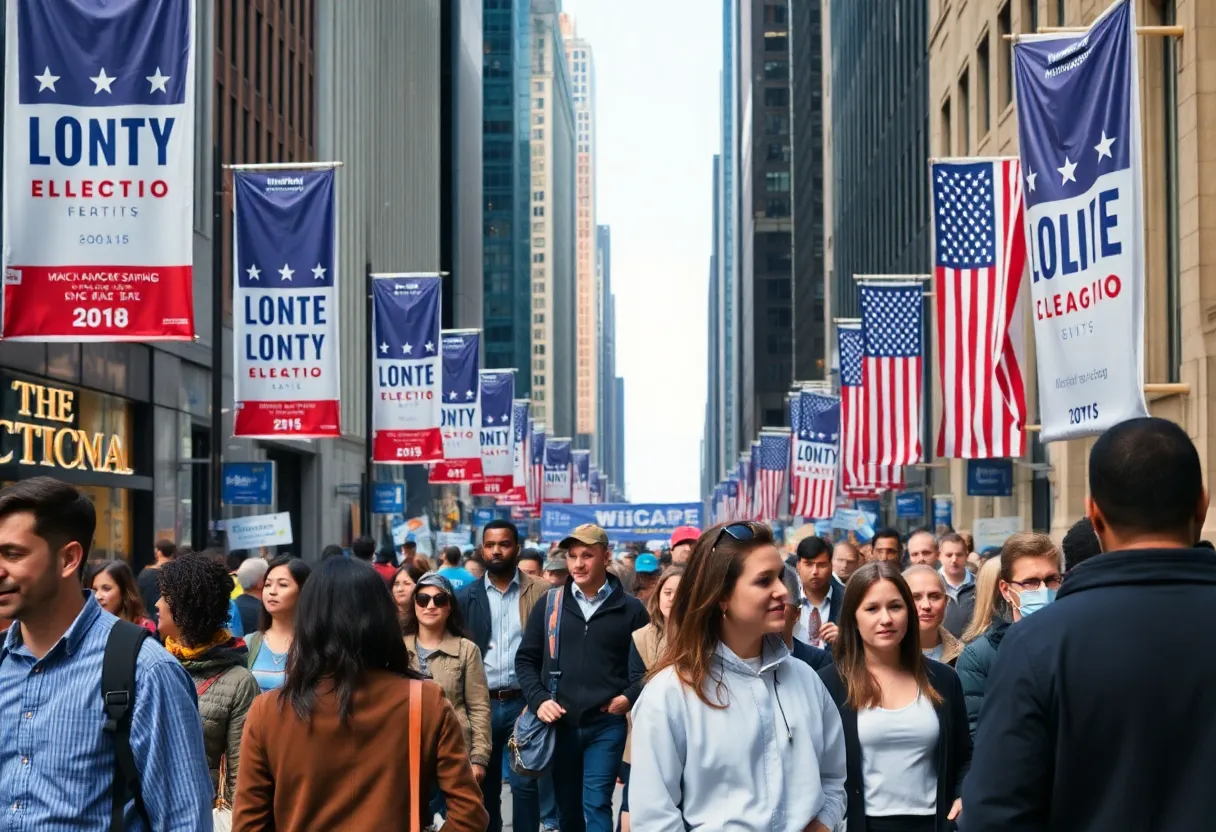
(530, 749)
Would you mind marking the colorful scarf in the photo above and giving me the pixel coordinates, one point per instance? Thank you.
(190, 654)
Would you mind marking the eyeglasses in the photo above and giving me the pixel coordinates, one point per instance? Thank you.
(1032, 584)
(425, 599)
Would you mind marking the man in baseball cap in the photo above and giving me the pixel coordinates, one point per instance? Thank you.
(587, 534)
(682, 541)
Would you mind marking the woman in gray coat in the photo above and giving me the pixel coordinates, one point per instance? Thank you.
(193, 609)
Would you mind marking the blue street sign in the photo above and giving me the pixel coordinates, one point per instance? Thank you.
(248, 484)
(911, 505)
(989, 477)
(388, 498)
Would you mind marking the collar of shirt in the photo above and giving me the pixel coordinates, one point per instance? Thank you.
(603, 592)
(513, 585)
(71, 639)
(967, 578)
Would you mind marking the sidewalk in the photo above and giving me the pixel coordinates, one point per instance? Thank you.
(506, 807)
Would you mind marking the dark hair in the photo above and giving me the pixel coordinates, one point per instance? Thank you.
(413, 544)
(183, 550)
(850, 653)
(299, 573)
(451, 555)
(813, 546)
(886, 532)
(62, 515)
(1145, 476)
(1080, 543)
(132, 602)
(363, 547)
(385, 554)
(455, 624)
(951, 537)
(333, 550)
(478, 559)
(501, 524)
(347, 625)
(166, 547)
(197, 588)
(235, 559)
(533, 554)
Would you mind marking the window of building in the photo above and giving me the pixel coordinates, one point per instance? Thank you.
(776, 42)
(777, 182)
(777, 208)
(537, 334)
(538, 133)
(539, 86)
(538, 196)
(947, 128)
(983, 112)
(538, 349)
(1061, 13)
(777, 125)
(1004, 69)
(964, 113)
(1030, 15)
(778, 152)
(538, 303)
(539, 118)
(776, 70)
(257, 54)
(538, 257)
(538, 241)
(538, 287)
(776, 14)
(538, 211)
(777, 97)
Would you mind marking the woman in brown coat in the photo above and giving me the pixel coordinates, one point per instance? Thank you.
(330, 748)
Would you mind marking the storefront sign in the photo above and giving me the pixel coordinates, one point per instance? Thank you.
(248, 483)
(258, 531)
(44, 432)
(388, 498)
(910, 505)
(989, 477)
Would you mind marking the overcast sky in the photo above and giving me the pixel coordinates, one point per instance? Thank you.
(657, 68)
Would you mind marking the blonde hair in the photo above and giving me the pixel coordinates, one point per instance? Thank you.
(989, 603)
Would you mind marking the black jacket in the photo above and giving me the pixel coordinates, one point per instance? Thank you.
(952, 757)
(959, 612)
(816, 657)
(974, 667)
(250, 608)
(148, 584)
(1101, 708)
(593, 655)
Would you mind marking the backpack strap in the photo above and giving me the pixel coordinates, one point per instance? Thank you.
(415, 740)
(553, 626)
(118, 697)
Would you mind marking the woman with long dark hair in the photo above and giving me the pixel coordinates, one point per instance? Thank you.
(114, 587)
(269, 646)
(904, 716)
(343, 716)
(727, 710)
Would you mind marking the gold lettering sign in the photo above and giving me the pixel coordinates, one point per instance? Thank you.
(54, 445)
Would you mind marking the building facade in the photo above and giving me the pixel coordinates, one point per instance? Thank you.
(605, 452)
(726, 388)
(711, 447)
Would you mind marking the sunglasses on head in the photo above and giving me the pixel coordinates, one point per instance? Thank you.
(425, 599)
(739, 531)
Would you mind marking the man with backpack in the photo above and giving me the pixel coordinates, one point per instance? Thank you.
(99, 727)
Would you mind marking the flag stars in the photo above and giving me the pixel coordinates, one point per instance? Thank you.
(101, 81)
(286, 272)
(157, 81)
(1103, 147)
(1068, 172)
(407, 349)
(253, 271)
(383, 348)
(1030, 177)
(46, 81)
(452, 396)
(318, 272)
(470, 395)
(429, 346)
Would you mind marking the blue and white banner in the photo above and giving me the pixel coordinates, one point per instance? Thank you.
(943, 513)
(989, 477)
(623, 522)
(580, 471)
(405, 346)
(596, 486)
(1078, 103)
(285, 305)
(557, 485)
(460, 413)
(497, 434)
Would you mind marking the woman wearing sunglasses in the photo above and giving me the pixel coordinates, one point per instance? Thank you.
(434, 639)
(905, 720)
(727, 711)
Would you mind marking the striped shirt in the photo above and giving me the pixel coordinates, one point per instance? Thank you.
(56, 763)
(506, 633)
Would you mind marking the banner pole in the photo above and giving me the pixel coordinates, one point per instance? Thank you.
(369, 400)
(217, 333)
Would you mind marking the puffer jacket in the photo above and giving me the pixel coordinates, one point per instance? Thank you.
(223, 706)
(973, 667)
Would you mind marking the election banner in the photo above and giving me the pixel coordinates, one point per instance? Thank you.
(580, 477)
(816, 455)
(597, 487)
(99, 171)
(623, 522)
(536, 468)
(460, 413)
(406, 382)
(557, 485)
(521, 450)
(258, 531)
(1078, 104)
(943, 513)
(497, 433)
(285, 305)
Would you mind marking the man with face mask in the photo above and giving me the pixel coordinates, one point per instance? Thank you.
(1099, 713)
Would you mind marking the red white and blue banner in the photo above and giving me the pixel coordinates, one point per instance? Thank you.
(521, 455)
(580, 475)
(497, 433)
(285, 305)
(536, 469)
(858, 475)
(99, 171)
(1078, 102)
(557, 486)
(891, 318)
(770, 463)
(596, 486)
(460, 413)
(622, 522)
(816, 455)
(406, 372)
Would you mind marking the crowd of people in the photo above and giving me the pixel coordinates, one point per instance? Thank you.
(901, 686)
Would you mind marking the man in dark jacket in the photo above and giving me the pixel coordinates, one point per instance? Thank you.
(595, 632)
(816, 657)
(1073, 738)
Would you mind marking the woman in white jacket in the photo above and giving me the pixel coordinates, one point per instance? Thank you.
(737, 735)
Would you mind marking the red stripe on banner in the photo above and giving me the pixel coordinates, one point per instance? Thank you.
(287, 420)
(456, 470)
(98, 303)
(402, 446)
(493, 486)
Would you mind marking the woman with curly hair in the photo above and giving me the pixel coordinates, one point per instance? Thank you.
(193, 609)
(114, 587)
(268, 647)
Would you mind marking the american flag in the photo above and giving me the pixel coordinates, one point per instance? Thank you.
(772, 459)
(743, 485)
(730, 505)
(536, 468)
(817, 457)
(857, 474)
(753, 462)
(891, 333)
(978, 265)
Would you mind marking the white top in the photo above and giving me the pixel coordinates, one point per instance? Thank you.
(737, 768)
(897, 758)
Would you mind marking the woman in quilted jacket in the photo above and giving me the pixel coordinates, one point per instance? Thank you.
(193, 610)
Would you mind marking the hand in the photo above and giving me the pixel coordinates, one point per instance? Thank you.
(955, 810)
(550, 711)
(619, 706)
(828, 632)
(816, 826)
(479, 772)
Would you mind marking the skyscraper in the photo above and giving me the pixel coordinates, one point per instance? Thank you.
(605, 453)
(806, 128)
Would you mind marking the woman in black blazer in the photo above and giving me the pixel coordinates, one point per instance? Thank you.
(904, 716)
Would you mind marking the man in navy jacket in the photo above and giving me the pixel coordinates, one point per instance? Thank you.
(1101, 708)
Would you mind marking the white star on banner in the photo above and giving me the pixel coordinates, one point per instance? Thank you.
(1030, 177)
(286, 272)
(319, 272)
(1068, 172)
(470, 395)
(506, 418)
(430, 347)
(452, 396)
(102, 82)
(157, 81)
(407, 349)
(490, 419)
(46, 81)
(1103, 147)
(253, 271)
(383, 348)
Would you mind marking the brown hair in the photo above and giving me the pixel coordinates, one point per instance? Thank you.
(989, 603)
(696, 616)
(1027, 545)
(132, 602)
(652, 606)
(850, 652)
(951, 537)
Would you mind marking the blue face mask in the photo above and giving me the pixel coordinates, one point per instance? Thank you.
(1033, 600)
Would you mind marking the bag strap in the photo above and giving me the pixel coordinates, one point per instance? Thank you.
(553, 621)
(118, 697)
(415, 740)
(206, 685)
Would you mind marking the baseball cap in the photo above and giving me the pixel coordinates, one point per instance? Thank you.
(685, 534)
(587, 534)
(556, 563)
(645, 563)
